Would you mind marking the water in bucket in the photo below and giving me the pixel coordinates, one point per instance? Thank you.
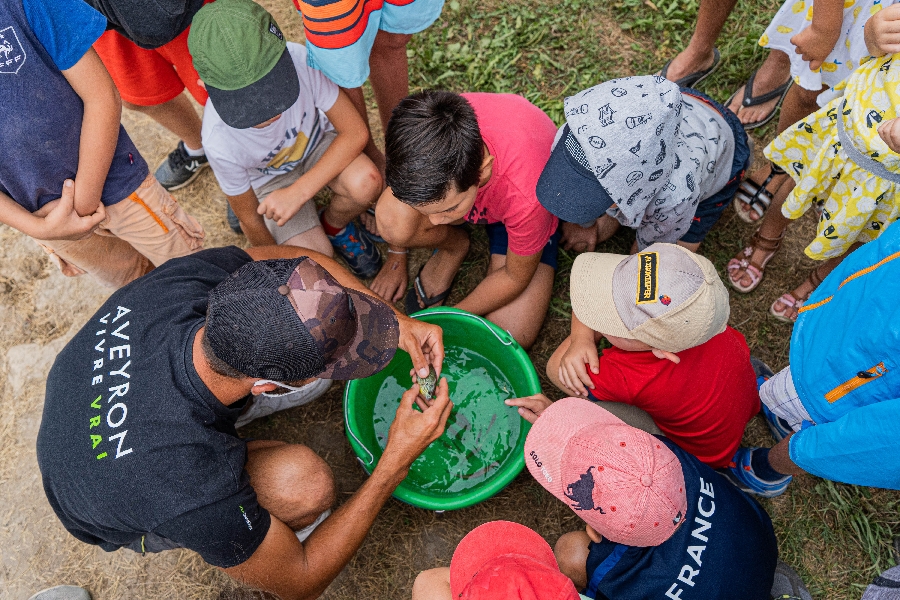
(481, 430)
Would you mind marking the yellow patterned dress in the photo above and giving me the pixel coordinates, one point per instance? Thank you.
(796, 15)
(839, 162)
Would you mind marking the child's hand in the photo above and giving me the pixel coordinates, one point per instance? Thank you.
(882, 31)
(572, 371)
(530, 407)
(281, 205)
(815, 46)
(578, 238)
(889, 131)
(61, 222)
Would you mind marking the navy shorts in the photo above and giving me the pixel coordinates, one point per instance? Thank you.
(498, 242)
(710, 209)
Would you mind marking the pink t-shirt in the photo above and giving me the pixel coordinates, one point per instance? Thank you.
(519, 136)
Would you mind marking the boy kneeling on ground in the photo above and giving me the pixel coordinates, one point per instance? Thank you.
(643, 153)
(472, 158)
(277, 132)
(665, 312)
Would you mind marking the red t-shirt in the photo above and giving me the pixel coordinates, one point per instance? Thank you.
(519, 136)
(702, 404)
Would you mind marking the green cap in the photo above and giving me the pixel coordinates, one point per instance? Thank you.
(241, 55)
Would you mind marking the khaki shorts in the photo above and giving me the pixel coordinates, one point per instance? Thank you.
(142, 231)
(307, 217)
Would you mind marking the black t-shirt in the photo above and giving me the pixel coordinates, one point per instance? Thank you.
(132, 442)
(725, 548)
(148, 23)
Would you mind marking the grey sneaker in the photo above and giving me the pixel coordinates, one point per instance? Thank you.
(788, 585)
(62, 592)
(233, 221)
(179, 168)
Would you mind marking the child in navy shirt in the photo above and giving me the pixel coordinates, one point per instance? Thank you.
(660, 524)
(71, 177)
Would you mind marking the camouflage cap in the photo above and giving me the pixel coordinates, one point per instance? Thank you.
(289, 320)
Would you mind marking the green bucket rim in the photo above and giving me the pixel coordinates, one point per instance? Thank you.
(502, 477)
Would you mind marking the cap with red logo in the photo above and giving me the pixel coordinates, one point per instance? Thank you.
(623, 482)
(507, 561)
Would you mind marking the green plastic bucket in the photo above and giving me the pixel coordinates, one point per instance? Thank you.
(482, 449)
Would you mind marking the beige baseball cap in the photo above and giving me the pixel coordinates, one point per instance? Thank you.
(665, 296)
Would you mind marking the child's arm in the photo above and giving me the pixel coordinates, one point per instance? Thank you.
(530, 407)
(582, 351)
(56, 220)
(502, 286)
(352, 137)
(99, 128)
(816, 42)
(882, 31)
(245, 206)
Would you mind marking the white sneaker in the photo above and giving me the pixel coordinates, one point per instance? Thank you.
(62, 592)
(265, 404)
(307, 531)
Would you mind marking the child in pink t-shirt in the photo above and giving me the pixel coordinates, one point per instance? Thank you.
(473, 158)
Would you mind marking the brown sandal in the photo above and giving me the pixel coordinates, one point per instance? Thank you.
(788, 299)
(755, 271)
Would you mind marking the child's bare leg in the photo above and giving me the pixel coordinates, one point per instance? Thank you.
(389, 72)
(433, 584)
(698, 55)
(313, 239)
(774, 71)
(402, 226)
(355, 189)
(524, 316)
(809, 285)
(772, 228)
(178, 116)
(571, 552)
(798, 104)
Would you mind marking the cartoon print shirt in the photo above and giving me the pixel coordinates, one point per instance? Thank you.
(245, 158)
(725, 548)
(656, 151)
(131, 441)
(40, 114)
(519, 136)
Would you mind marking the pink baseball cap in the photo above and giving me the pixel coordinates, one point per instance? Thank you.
(507, 561)
(623, 482)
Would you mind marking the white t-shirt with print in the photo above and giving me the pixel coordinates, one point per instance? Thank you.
(245, 158)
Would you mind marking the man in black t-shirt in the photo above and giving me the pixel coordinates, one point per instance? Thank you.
(137, 446)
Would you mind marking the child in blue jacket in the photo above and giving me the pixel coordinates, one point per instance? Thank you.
(837, 405)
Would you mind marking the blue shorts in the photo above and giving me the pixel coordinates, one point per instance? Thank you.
(498, 242)
(340, 33)
(710, 209)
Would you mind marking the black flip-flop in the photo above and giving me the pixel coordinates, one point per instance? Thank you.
(750, 100)
(693, 79)
(417, 292)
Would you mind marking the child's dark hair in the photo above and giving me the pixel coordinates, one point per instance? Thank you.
(432, 141)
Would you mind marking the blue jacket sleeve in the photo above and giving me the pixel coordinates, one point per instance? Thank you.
(862, 447)
(65, 28)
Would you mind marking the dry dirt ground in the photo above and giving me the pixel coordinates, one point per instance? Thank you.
(41, 310)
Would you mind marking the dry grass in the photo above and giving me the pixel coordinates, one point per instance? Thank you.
(836, 535)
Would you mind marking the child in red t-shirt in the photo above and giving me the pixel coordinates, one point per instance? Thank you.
(476, 158)
(665, 312)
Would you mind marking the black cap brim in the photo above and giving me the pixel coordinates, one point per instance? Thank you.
(265, 99)
(569, 190)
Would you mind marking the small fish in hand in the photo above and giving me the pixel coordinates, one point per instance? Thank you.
(427, 385)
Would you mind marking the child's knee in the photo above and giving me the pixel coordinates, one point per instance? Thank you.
(433, 584)
(396, 224)
(364, 185)
(571, 551)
